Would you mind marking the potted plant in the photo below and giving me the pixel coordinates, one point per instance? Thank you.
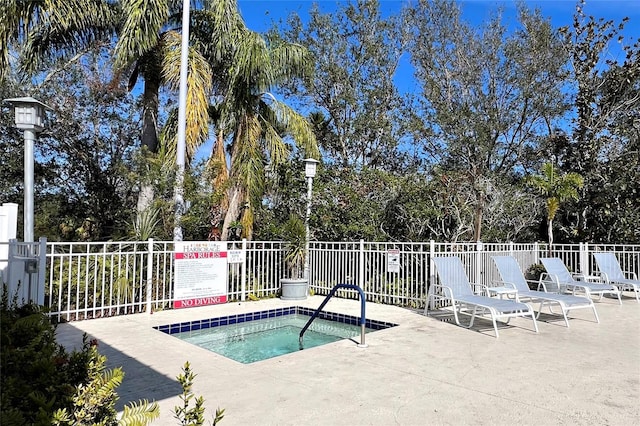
(296, 287)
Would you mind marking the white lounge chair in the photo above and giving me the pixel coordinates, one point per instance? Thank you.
(512, 276)
(565, 281)
(454, 286)
(613, 274)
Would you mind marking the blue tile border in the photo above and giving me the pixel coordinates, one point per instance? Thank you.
(271, 313)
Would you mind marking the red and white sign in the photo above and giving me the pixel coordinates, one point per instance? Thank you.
(200, 274)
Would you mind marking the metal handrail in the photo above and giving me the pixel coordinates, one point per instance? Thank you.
(324, 302)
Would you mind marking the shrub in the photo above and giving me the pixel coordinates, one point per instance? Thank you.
(42, 384)
(38, 375)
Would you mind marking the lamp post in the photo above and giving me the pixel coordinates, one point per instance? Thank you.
(310, 166)
(29, 117)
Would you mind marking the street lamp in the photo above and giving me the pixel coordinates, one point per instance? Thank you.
(310, 166)
(30, 118)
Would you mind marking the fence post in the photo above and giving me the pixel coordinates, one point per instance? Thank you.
(42, 269)
(511, 250)
(361, 265)
(432, 276)
(243, 271)
(536, 253)
(149, 274)
(478, 274)
(584, 259)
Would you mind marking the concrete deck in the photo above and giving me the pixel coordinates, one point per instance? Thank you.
(425, 371)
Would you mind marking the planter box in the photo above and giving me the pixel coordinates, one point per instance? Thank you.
(294, 288)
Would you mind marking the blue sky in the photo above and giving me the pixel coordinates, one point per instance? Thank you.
(260, 14)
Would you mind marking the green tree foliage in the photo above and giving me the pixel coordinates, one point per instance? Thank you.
(486, 95)
(350, 205)
(603, 145)
(556, 188)
(84, 190)
(356, 53)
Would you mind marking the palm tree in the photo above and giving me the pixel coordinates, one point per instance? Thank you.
(61, 29)
(48, 29)
(556, 188)
(258, 122)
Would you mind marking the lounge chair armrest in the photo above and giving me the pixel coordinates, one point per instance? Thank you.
(500, 283)
(532, 283)
(630, 275)
(549, 283)
(446, 291)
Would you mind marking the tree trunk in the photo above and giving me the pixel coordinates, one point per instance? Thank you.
(477, 222)
(218, 161)
(149, 138)
(233, 212)
(550, 234)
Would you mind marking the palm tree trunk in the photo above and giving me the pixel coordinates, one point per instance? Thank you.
(218, 162)
(550, 234)
(233, 212)
(149, 137)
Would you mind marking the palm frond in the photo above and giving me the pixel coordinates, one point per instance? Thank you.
(296, 125)
(247, 165)
(288, 61)
(16, 19)
(56, 28)
(141, 29)
(198, 92)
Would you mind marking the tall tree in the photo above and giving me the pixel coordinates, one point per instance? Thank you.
(605, 68)
(52, 29)
(357, 105)
(556, 188)
(258, 123)
(486, 96)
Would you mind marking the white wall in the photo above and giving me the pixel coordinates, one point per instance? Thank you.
(8, 229)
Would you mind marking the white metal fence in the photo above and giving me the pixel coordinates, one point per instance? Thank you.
(91, 280)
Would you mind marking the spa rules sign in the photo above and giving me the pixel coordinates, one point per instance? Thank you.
(200, 273)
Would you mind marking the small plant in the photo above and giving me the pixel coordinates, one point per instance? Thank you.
(295, 236)
(192, 416)
(94, 402)
(533, 274)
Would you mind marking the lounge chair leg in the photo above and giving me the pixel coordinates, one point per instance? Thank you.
(595, 313)
(564, 313)
(473, 316)
(533, 318)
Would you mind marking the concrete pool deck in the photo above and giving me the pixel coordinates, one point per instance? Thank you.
(425, 371)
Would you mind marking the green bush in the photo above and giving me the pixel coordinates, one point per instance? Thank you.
(43, 384)
(38, 375)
